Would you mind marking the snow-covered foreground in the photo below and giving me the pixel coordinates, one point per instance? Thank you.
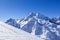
(8, 32)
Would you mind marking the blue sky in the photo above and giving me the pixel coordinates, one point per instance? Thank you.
(20, 8)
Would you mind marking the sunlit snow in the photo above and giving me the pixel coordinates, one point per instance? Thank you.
(8, 32)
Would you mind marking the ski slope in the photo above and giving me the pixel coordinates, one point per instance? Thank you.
(8, 32)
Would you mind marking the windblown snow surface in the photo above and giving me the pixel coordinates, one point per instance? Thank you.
(8, 32)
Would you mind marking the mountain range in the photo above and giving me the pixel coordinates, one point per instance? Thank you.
(39, 25)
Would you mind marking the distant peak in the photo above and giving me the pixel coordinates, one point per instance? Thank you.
(34, 14)
(37, 14)
(31, 13)
(10, 19)
(58, 17)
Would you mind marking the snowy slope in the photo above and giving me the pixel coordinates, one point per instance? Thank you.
(8, 32)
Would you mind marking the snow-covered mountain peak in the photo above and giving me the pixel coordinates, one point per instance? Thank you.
(39, 25)
(37, 14)
(56, 20)
(31, 15)
(58, 17)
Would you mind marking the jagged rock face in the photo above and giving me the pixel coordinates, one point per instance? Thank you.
(56, 20)
(28, 26)
(13, 23)
(39, 25)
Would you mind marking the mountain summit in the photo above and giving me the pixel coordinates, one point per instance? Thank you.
(39, 25)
